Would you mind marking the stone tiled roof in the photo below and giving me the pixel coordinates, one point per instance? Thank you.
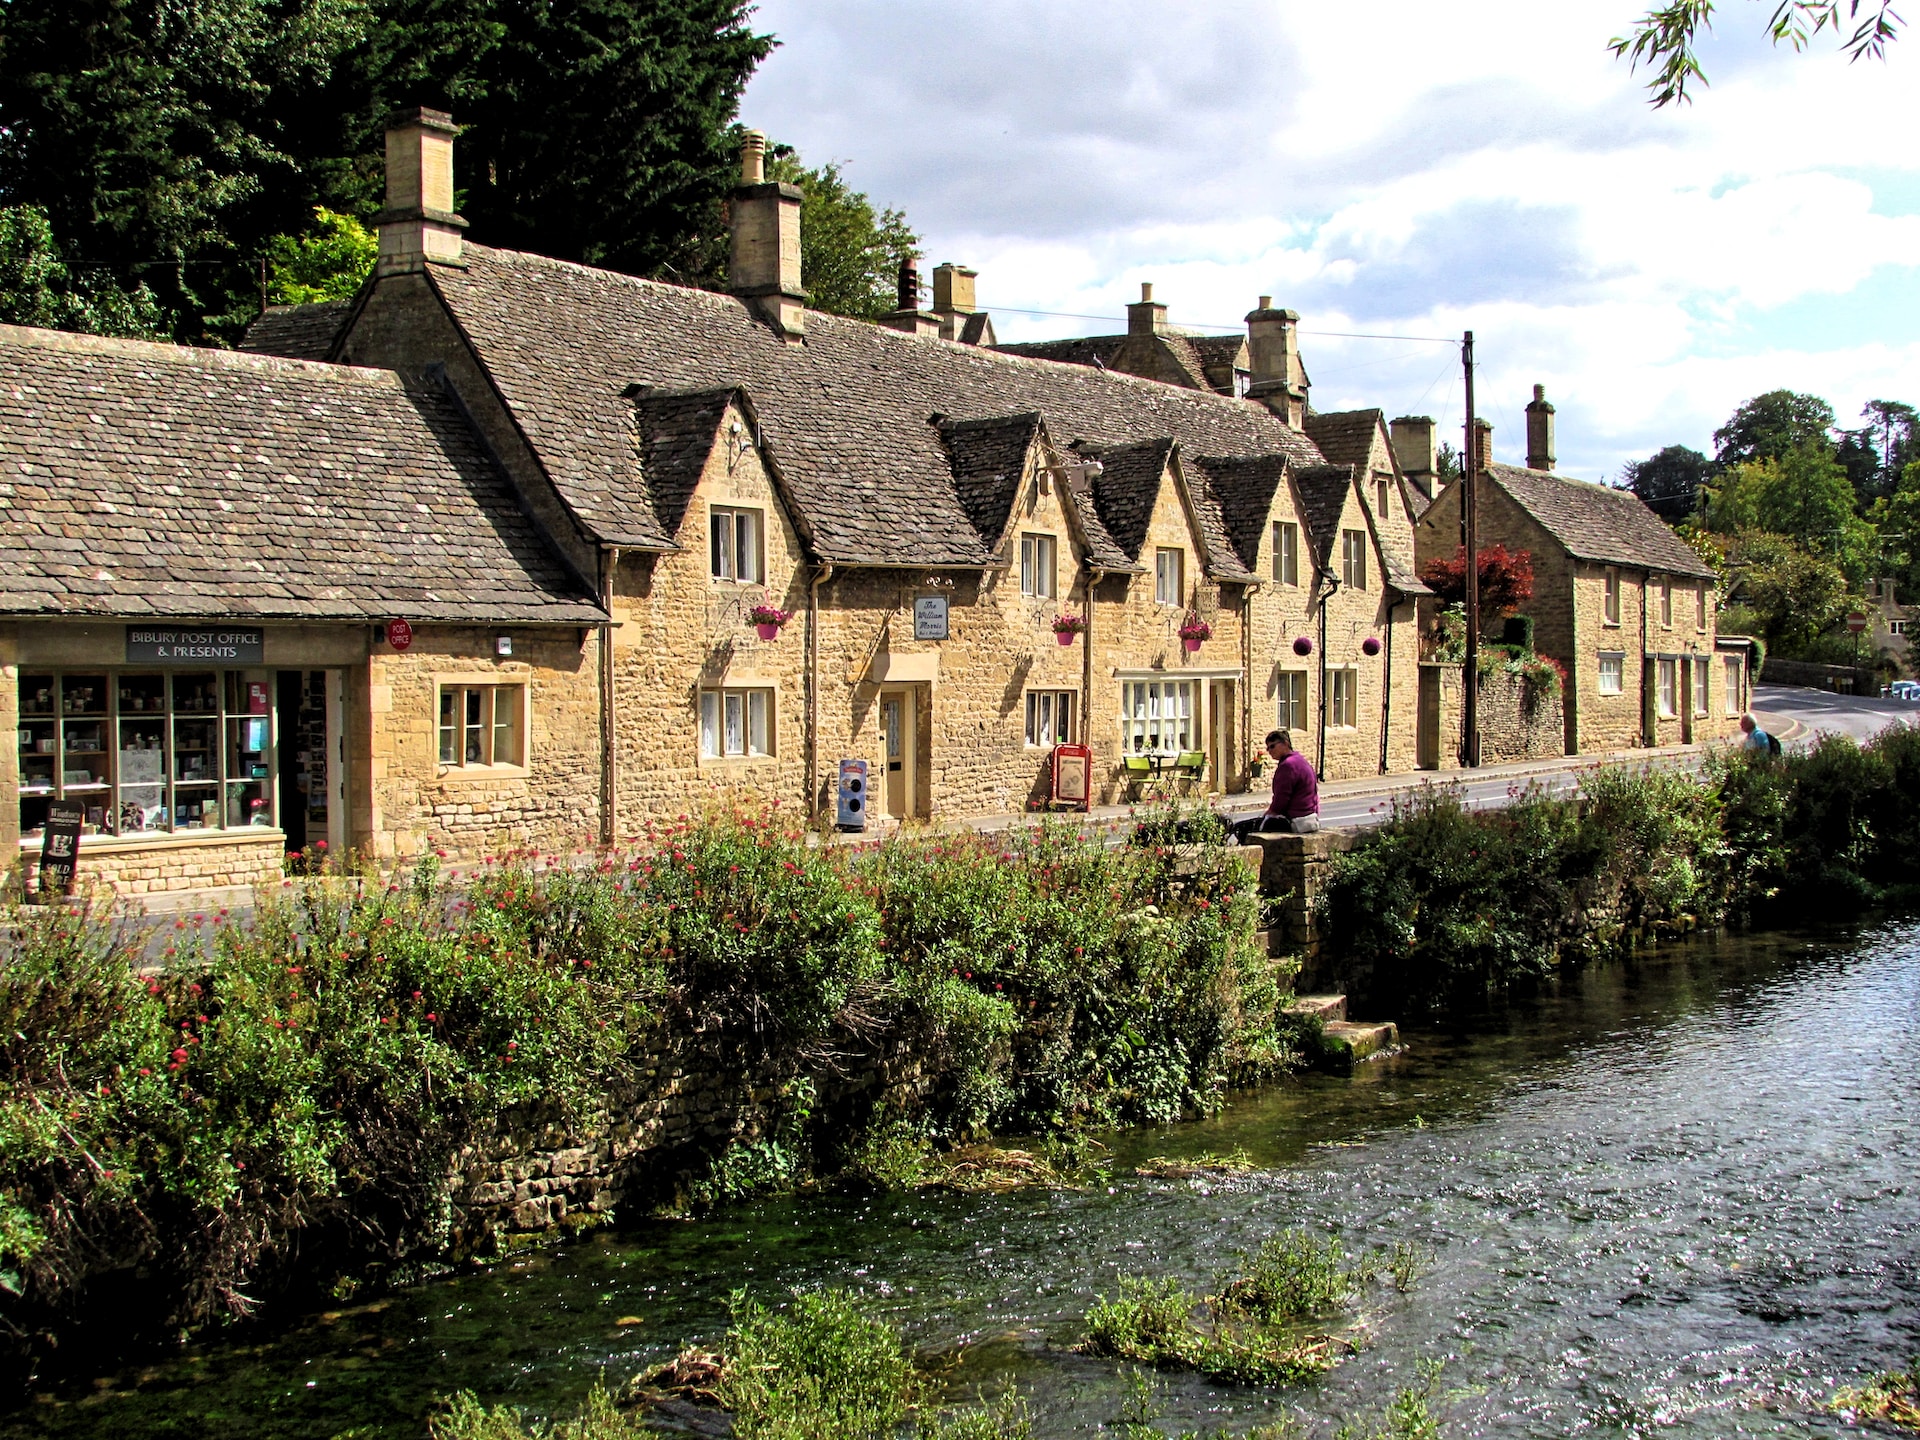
(1220, 356)
(1345, 437)
(676, 431)
(1245, 487)
(1223, 558)
(1094, 350)
(988, 459)
(844, 415)
(1323, 491)
(1127, 487)
(1597, 522)
(297, 332)
(155, 481)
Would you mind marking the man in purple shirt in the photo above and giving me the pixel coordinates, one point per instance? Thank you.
(1295, 805)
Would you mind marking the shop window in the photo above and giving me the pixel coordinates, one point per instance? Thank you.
(1611, 611)
(1702, 683)
(1037, 571)
(1286, 552)
(1342, 699)
(481, 725)
(1291, 712)
(1049, 717)
(1731, 666)
(1156, 716)
(735, 723)
(734, 541)
(1613, 672)
(1353, 559)
(147, 753)
(1666, 684)
(1169, 576)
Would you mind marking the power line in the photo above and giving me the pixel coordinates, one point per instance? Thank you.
(1212, 325)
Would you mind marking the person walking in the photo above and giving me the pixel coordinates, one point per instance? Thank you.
(1295, 806)
(1757, 740)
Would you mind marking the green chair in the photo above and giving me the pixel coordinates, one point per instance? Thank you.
(1138, 770)
(1189, 766)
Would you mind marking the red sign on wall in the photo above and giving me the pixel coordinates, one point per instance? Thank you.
(399, 634)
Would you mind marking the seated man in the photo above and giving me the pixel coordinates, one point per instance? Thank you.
(1295, 805)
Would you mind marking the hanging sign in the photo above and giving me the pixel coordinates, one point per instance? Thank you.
(930, 617)
(399, 634)
(198, 645)
(60, 849)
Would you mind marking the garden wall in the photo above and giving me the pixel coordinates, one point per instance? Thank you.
(1517, 721)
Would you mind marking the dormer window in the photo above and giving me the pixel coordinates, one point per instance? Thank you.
(1037, 566)
(733, 537)
(1353, 558)
(1169, 575)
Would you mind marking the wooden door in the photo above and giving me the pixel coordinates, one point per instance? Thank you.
(1222, 766)
(897, 717)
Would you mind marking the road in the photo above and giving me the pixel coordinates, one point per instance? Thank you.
(1796, 715)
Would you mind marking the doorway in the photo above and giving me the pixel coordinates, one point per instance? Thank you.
(1222, 766)
(311, 768)
(899, 717)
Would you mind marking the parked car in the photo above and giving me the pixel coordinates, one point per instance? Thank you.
(1901, 690)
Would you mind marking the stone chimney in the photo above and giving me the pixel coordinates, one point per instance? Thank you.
(1276, 376)
(954, 304)
(418, 225)
(1147, 316)
(1413, 448)
(764, 269)
(908, 315)
(1540, 431)
(1482, 444)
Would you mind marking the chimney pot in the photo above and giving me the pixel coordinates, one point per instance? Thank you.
(1482, 444)
(418, 224)
(764, 264)
(1266, 302)
(753, 158)
(1146, 292)
(909, 290)
(1147, 316)
(1540, 431)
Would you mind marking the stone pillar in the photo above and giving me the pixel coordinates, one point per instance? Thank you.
(1293, 872)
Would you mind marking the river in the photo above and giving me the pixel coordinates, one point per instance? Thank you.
(1675, 1196)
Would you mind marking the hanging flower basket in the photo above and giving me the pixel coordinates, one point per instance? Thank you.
(767, 620)
(1195, 632)
(1066, 626)
(1370, 646)
(1302, 645)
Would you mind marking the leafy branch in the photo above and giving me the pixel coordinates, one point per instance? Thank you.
(1664, 39)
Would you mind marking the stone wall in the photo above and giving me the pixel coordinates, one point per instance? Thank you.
(126, 868)
(1514, 723)
(1842, 679)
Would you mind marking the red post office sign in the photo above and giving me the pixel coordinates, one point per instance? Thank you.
(399, 634)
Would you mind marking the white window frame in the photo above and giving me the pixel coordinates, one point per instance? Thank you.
(1702, 684)
(738, 722)
(1170, 575)
(1049, 718)
(1700, 606)
(1159, 717)
(1666, 602)
(1286, 552)
(1732, 668)
(1353, 559)
(1039, 569)
(484, 713)
(1610, 601)
(1666, 688)
(1290, 701)
(1343, 698)
(1896, 627)
(1616, 670)
(736, 544)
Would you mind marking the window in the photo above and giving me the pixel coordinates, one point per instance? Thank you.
(1342, 698)
(1733, 665)
(1667, 683)
(734, 540)
(1611, 613)
(1613, 668)
(1156, 716)
(735, 722)
(1049, 717)
(1382, 490)
(147, 752)
(1286, 552)
(1291, 713)
(1666, 602)
(480, 724)
(1702, 683)
(1700, 606)
(1036, 566)
(1353, 558)
(1896, 627)
(1169, 576)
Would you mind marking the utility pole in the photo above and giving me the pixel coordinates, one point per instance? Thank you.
(1470, 542)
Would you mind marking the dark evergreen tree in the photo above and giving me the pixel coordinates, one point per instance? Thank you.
(1669, 481)
(1876, 453)
(1768, 426)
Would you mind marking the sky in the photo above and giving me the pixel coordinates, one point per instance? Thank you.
(1399, 169)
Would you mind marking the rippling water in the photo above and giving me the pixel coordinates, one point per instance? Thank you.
(1677, 1196)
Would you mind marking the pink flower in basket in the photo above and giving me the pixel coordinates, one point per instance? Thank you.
(1066, 626)
(767, 620)
(1195, 631)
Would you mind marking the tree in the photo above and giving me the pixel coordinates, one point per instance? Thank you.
(1805, 496)
(1664, 39)
(1769, 425)
(1669, 481)
(1506, 579)
(850, 253)
(1900, 530)
(1876, 453)
(329, 262)
(1794, 596)
(37, 288)
(1446, 463)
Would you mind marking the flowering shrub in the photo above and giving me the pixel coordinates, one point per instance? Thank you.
(1506, 579)
(768, 615)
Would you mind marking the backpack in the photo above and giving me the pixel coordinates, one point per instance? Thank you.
(1773, 744)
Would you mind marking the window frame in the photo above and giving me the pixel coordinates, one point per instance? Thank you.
(1169, 575)
(489, 689)
(1183, 723)
(1343, 697)
(711, 717)
(1611, 604)
(1353, 559)
(1700, 606)
(1039, 565)
(1286, 552)
(1290, 712)
(1619, 671)
(1666, 602)
(1733, 669)
(1702, 686)
(727, 520)
(1383, 492)
(1666, 687)
(1050, 714)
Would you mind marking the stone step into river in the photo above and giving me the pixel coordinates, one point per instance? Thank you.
(1347, 1042)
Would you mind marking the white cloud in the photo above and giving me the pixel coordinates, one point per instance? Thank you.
(1400, 168)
